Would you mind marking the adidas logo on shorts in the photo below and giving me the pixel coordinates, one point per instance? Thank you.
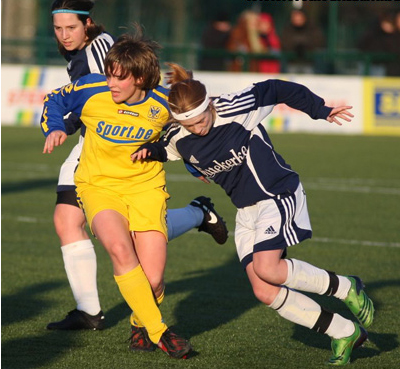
(270, 230)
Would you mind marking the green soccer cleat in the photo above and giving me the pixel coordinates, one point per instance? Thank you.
(359, 303)
(343, 347)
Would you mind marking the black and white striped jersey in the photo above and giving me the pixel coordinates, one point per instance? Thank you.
(237, 153)
(90, 59)
(82, 62)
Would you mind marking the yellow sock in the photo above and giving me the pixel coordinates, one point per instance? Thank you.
(134, 318)
(160, 298)
(136, 290)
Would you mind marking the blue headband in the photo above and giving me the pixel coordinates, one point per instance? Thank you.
(84, 12)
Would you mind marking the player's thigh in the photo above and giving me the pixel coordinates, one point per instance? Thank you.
(111, 229)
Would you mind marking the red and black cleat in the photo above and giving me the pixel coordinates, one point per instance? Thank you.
(174, 346)
(139, 340)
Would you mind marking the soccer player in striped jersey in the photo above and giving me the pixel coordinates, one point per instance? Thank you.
(84, 44)
(223, 138)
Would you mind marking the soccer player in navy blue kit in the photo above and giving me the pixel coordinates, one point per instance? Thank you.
(223, 138)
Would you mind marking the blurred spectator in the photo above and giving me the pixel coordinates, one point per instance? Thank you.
(270, 42)
(382, 37)
(254, 34)
(301, 36)
(397, 22)
(215, 37)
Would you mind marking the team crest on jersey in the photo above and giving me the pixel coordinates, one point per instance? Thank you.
(127, 112)
(154, 112)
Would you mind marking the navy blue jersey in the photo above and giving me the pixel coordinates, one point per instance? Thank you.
(237, 153)
(90, 59)
(82, 62)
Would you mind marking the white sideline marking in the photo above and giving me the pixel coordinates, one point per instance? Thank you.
(27, 220)
(357, 189)
(356, 242)
(357, 185)
(231, 234)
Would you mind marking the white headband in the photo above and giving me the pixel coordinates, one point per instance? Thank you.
(194, 112)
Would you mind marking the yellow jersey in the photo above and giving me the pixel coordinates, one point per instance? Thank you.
(113, 132)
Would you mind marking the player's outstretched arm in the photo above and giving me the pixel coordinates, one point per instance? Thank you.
(55, 138)
(341, 112)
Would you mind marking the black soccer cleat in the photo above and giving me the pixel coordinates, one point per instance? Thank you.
(173, 345)
(139, 340)
(212, 223)
(77, 319)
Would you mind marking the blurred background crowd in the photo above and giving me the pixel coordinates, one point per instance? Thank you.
(359, 38)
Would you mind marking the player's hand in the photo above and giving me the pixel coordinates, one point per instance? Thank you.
(140, 154)
(341, 112)
(55, 138)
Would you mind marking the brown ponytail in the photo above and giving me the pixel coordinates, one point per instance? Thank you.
(186, 93)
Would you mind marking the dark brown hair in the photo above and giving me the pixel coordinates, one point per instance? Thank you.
(92, 30)
(136, 56)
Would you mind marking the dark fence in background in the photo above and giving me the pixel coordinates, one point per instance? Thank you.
(178, 25)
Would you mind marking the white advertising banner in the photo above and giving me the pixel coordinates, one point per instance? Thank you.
(24, 87)
(335, 90)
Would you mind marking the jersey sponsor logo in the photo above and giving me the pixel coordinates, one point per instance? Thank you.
(154, 112)
(227, 165)
(127, 112)
(123, 134)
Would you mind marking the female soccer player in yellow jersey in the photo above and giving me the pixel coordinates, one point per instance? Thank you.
(124, 202)
(84, 44)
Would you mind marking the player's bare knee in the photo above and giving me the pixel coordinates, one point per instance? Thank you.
(120, 254)
(265, 295)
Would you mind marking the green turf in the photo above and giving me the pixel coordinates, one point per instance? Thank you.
(353, 188)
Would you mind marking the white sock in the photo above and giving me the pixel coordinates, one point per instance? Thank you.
(181, 220)
(306, 277)
(296, 307)
(340, 327)
(343, 289)
(302, 310)
(81, 267)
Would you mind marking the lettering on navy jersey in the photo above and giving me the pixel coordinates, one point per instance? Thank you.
(122, 134)
(226, 165)
(128, 112)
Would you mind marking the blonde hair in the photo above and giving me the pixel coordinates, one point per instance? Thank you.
(186, 93)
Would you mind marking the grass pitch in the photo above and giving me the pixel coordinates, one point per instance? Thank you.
(353, 188)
